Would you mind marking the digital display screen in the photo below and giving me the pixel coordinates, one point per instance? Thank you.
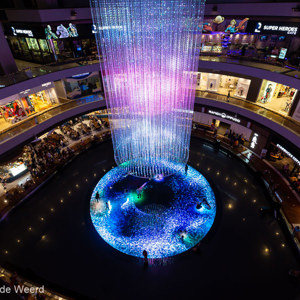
(206, 48)
(17, 170)
(282, 53)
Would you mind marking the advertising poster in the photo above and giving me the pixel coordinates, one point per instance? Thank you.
(61, 31)
(220, 24)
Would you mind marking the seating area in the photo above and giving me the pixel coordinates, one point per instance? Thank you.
(50, 152)
(284, 197)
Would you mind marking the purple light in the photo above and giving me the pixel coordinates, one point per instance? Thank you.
(151, 49)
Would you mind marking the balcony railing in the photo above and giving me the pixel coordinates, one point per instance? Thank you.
(259, 63)
(42, 117)
(33, 72)
(282, 120)
(18, 128)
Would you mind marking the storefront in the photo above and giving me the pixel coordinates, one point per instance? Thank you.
(39, 98)
(222, 84)
(72, 40)
(211, 44)
(254, 136)
(28, 42)
(276, 97)
(285, 158)
(296, 114)
(274, 39)
(82, 85)
(224, 120)
(268, 40)
(44, 43)
(221, 34)
(20, 106)
(11, 111)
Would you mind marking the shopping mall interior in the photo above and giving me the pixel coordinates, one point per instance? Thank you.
(150, 149)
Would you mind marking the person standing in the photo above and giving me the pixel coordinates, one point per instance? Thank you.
(186, 168)
(145, 254)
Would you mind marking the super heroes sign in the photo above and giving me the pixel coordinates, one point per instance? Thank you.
(273, 28)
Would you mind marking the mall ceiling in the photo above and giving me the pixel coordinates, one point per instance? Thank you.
(29, 4)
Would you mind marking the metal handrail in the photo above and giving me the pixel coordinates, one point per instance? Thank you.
(32, 72)
(32, 121)
(276, 117)
(42, 117)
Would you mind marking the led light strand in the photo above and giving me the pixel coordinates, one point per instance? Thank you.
(150, 52)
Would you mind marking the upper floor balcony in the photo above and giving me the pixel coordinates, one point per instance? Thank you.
(32, 77)
(288, 74)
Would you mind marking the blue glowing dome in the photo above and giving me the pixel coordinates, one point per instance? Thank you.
(164, 215)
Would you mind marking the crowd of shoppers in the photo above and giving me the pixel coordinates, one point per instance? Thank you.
(44, 155)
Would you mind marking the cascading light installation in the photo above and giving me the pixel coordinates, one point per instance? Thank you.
(149, 50)
(151, 201)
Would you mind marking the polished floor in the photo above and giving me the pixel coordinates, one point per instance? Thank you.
(50, 238)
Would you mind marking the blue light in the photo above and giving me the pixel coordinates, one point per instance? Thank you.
(132, 223)
(159, 177)
(151, 56)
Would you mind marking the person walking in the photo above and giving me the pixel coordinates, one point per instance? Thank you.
(228, 96)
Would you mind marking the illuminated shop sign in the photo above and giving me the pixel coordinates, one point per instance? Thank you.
(94, 28)
(288, 154)
(224, 116)
(61, 31)
(82, 75)
(277, 28)
(17, 31)
(25, 92)
(47, 84)
(42, 87)
(254, 141)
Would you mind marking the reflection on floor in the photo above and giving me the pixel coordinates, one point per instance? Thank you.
(22, 64)
(276, 104)
(4, 124)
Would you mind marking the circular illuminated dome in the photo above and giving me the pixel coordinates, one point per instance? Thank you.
(163, 215)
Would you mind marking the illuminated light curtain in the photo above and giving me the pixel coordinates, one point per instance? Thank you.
(150, 50)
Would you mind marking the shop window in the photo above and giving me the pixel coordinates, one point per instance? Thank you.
(43, 45)
(79, 87)
(15, 46)
(276, 97)
(32, 44)
(222, 84)
(12, 112)
(39, 101)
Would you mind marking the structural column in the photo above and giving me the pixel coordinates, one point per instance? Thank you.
(7, 61)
